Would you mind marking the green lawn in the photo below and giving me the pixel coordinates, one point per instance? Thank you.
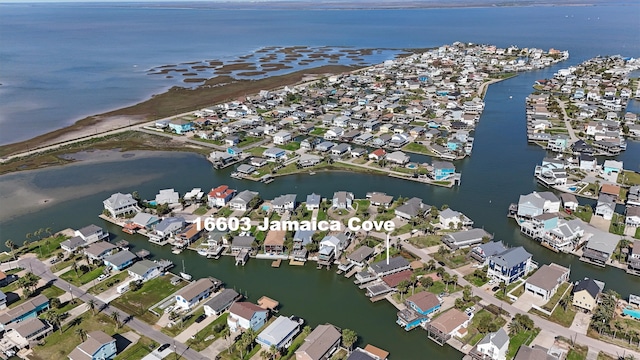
(439, 287)
(105, 284)
(201, 210)
(426, 241)
(476, 280)
(577, 353)
(80, 278)
(617, 224)
(482, 317)
(180, 326)
(583, 213)
(418, 148)
(137, 302)
(522, 338)
(454, 259)
(297, 342)
(50, 292)
(224, 212)
(318, 131)
(206, 336)
(556, 297)
(137, 351)
(291, 146)
(248, 140)
(629, 178)
(257, 151)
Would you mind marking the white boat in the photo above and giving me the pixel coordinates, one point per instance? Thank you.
(185, 276)
(203, 251)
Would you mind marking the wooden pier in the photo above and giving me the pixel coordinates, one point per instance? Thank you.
(276, 263)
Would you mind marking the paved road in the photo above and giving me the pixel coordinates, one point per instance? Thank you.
(41, 270)
(567, 122)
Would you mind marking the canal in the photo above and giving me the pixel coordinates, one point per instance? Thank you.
(499, 170)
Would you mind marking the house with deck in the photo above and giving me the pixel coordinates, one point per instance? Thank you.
(320, 344)
(26, 310)
(396, 264)
(180, 126)
(510, 265)
(313, 201)
(98, 251)
(451, 219)
(546, 280)
(73, 244)
(493, 346)
(274, 242)
(144, 270)
(242, 200)
(220, 196)
(244, 315)
(284, 203)
(442, 170)
(279, 333)
(24, 334)
(120, 260)
(220, 302)
(192, 294)
(412, 208)
(599, 247)
(92, 233)
(418, 308)
(120, 204)
(463, 239)
(451, 323)
(585, 294)
(342, 200)
(98, 346)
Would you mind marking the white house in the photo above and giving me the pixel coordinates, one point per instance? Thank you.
(281, 137)
(144, 270)
(494, 345)
(244, 315)
(451, 219)
(632, 217)
(190, 295)
(92, 233)
(120, 204)
(546, 280)
(342, 200)
(242, 200)
(167, 196)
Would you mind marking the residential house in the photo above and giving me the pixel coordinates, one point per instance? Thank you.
(342, 200)
(360, 256)
(611, 190)
(450, 219)
(274, 242)
(412, 208)
(180, 126)
(92, 233)
(73, 244)
(634, 256)
(340, 149)
(483, 251)
(21, 335)
(600, 247)
(281, 137)
(585, 294)
(380, 199)
(569, 202)
(245, 315)
(279, 333)
(537, 203)
(284, 203)
(398, 157)
(220, 196)
(332, 246)
(632, 216)
(240, 243)
(220, 302)
(98, 346)
(145, 221)
(377, 155)
(510, 265)
(451, 323)
(120, 260)
(301, 239)
(168, 227)
(313, 201)
(546, 280)
(605, 206)
(418, 308)
(463, 239)
(120, 204)
(320, 344)
(612, 167)
(144, 270)
(192, 294)
(242, 200)
(26, 310)
(306, 160)
(98, 251)
(167, 196)
(274, 154)
(442, 170)
(535, 352)
(493, 346)
(325, 146)
(395, 264)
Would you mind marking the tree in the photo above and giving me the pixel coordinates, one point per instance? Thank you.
(55, 303)
(349, 337)
(92, 305)
(403, 286)
(503, 287)
(48, 231)
(28, 282)
(467, 293)
(11, 246)
(226, 333)
(54, 319)
(446, 279)
(426, 281)
(80, 332)
(306, 330)
(74, 266)
(115, 316)
(431, 264)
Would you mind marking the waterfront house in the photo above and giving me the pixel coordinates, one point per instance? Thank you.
(245, 169)
(537, 203)
(220, 302)
(632, 216)
(599, 247)
(451, 219)
(313, 201)
(220, 196)
(333, 133)
(120, 260)
(257, 162)
(281, 137)
(398, 157)
(240, 243)
(569, 202)
(231, 142)
(363, 138)
(145, 221)
(320, 344)
(245, 315)
(493, 346)
(413, 207)
(98, 251)
(360, 256)
(310, 143)
(342, 200)
(633, 196)
(274, 242)
(144, 270)
(279, 333)
(21, 335)
(380, 199)
(451, 323)
(611, 190)
(301, 239)
(442, 170)
(546, 280)
(377, 155)
(274, 154)
(284, 203)
(634, 256)
(585, 294)
(325, 146)
(306, 160)
(418, 308)
(92, 233)
(588, 162)
(180, 126)
(357, 152)
(462, 239)
(169, 226)
(369, 354)
(340, 149)
(605, 206)
(26, 310)
(120, 204)
(483, 251)
(192, 294)
(510, 265)
(73, 244)
(167, 196)
(396, 264)
(98, 346)
(242, 200)
(612, 167)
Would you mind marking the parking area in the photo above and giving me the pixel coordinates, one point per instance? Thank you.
(158, 355)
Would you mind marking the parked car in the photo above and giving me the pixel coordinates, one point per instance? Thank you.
(495, 288)
(163, 347)
(102, 277)
(200, 318)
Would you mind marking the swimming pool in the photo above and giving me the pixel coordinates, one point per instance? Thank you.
(153, 203)
(632, 312)
(573, 189)
(412, 166)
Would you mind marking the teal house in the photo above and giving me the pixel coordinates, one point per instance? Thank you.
(419, 306)
(180, 126)
(442, 170)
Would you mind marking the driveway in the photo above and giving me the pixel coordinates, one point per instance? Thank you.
(581, 322)
(194, 329)
(525, 301)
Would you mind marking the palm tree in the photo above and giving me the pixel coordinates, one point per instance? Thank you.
(91, 304)
(306, 330)
(48, 231)
(74, 266)
(454, 279)
(426, 281)
(11, 246)
(431, 264)
(349, 337)
(226, 333)
(273, 351)
(28, 235)
(115, 316)
(54, 319)
(80, 332)
(446, 278)
(503, 287)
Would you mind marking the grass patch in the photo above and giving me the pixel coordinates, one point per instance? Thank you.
(248, 140)
(629, 178)
(522, 338)
(291, 146)
(257, 151)
(201, 211)
(295, 344)
(439, 287)
(417, 148)
(80, 278)
(207, 336)
(180, 326)
(137, 302)
(556, 297)
(584, 213)
(577, 352)
(224, 212)
(426, 241)
(617, 224)
(477, 279)
(137, 351)
(454, 259)
(318, 132)
(105, 284)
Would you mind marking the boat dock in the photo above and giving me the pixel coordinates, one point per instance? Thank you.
(242, 257)
(276, 263)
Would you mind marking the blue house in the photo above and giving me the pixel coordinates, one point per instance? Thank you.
(234, 150)
(442, 92)
(442, 170)
(120, 260)
(180, 126)
(98, 346)
(509, 265)
(27, 310)
(454, 144)
(419, 306)
(274, 154)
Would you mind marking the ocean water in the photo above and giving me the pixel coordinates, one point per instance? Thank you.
(62, 62)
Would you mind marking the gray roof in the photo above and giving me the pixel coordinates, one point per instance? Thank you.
(118, 200)
(536, 201)
(170, 222)
(9, 315)
(341, 147)
(144, 219)
(242, 241)
(284, 199)
(221, 300)
(360, 355)
(98, 248)
(534, 353)
(360, 254)
(320, 341)
(278, 330)
(469, 235)
(395, 262)
(74, 242)
(120, 258)
(245, 169)
(492, 248)
(412, 207)
(448, 213)
(314, 199)
(244, 196)
(547, 276)
(443, 165)
(511, 257)
(272, 151)
(198, 287)
(303, 236)
(28, 327)
(568, 198)
(602, 241)
(549, 196)
(89, 230)
(498, 338)
(141, 267)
